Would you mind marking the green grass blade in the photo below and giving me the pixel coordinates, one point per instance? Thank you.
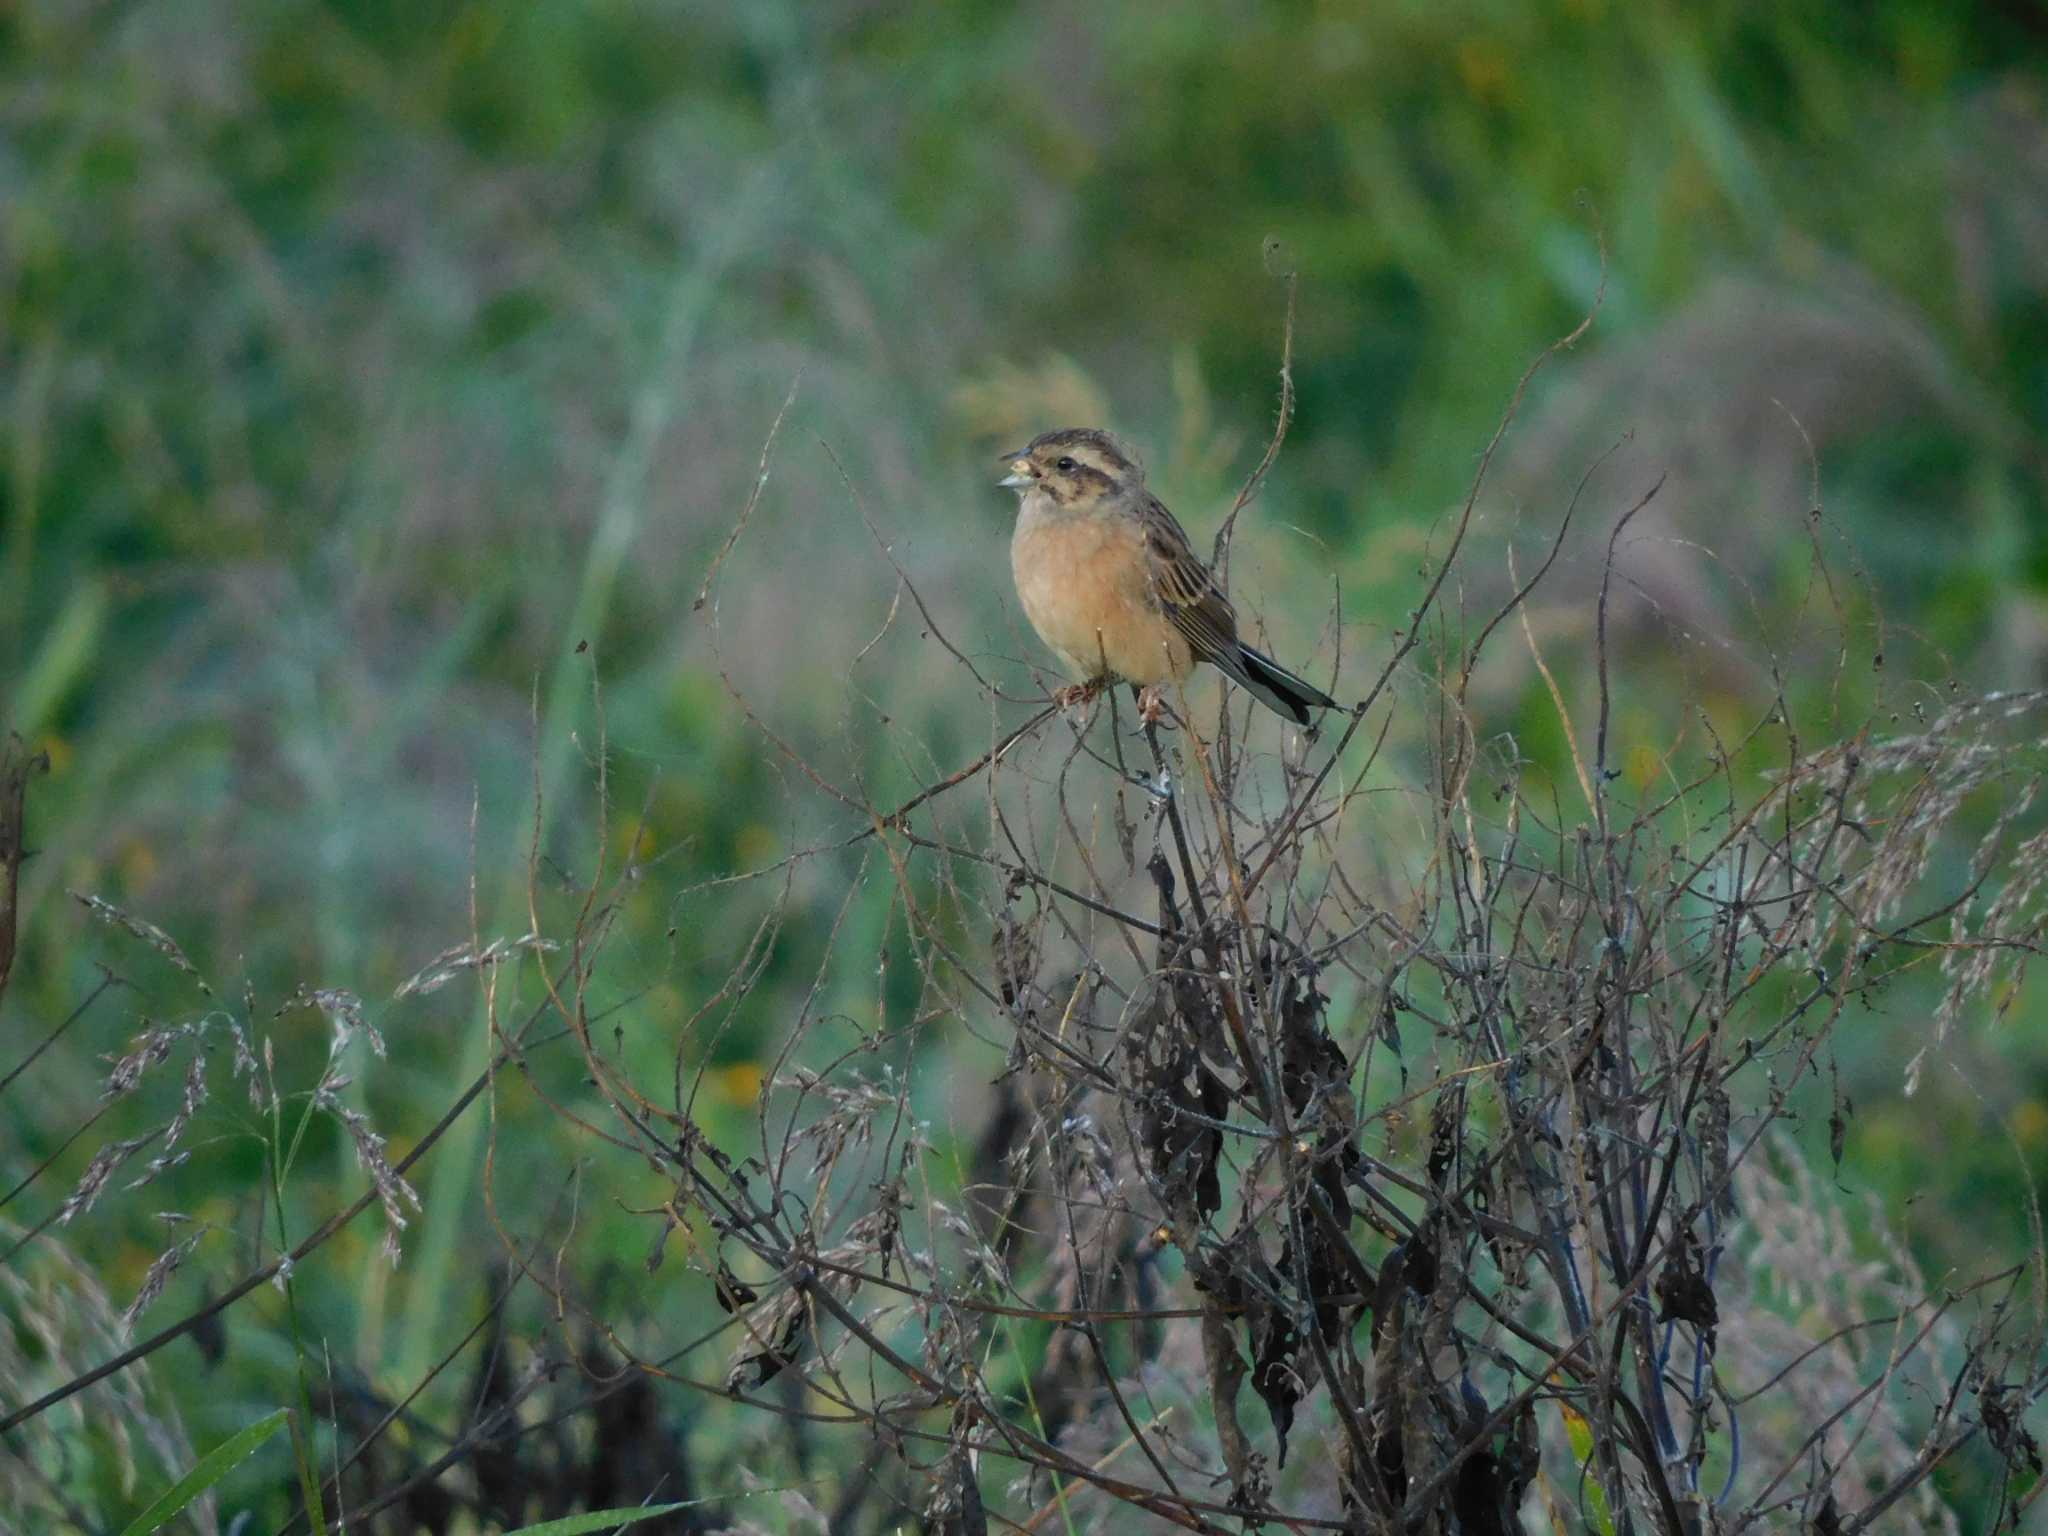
(213, 1466)
(302, 1458)
(67, 653)
(612, 1519)
(602, 1519)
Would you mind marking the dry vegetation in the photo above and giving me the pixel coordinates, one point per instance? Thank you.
(1366, 1154)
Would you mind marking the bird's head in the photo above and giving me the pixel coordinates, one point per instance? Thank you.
(1072, 466)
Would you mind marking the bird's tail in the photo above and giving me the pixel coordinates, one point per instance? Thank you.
(1279, 689)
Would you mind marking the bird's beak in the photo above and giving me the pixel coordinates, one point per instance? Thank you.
(1020, 474)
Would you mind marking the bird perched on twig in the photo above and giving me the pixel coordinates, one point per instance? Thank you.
(1110, 582)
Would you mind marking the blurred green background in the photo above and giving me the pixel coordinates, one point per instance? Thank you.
(359, 360)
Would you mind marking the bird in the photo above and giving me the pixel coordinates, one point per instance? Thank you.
(1111, 584)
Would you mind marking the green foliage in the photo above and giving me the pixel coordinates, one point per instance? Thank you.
(213, 1466)
(360, 360)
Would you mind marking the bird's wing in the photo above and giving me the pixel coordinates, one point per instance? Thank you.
(1193, 603)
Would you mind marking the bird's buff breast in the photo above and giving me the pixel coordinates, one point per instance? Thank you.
(1085, 588)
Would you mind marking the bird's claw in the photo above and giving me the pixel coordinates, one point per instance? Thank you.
(1073, 695)
(1152, 706)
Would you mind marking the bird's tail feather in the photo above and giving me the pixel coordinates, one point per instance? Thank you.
(1277, 688)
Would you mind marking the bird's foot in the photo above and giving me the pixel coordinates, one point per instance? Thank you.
(1152, 708)
(1074, 695)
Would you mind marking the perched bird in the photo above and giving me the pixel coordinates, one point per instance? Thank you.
(1110, 582)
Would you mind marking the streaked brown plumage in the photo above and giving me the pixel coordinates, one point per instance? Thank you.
(1112, 585)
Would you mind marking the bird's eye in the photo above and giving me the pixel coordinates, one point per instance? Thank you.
(1066, 465)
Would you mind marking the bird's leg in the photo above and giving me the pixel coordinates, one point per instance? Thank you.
(1073, 694)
